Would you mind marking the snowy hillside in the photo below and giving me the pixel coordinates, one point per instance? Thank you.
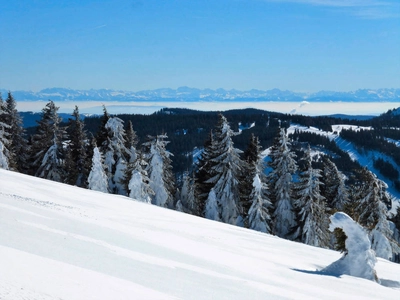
(63, 242)
(365, 159)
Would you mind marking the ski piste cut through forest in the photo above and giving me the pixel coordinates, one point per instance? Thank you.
(239, 167)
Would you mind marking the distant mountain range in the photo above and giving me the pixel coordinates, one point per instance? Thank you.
(192, 94)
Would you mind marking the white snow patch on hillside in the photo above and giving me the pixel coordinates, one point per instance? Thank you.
(245, 126)
(365, 158)
(64, 242)
(397, 143)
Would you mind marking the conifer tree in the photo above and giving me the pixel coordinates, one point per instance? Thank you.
(18, 144)
(259, 216)
(115, 154)
(137, 180)
(251, 160)
(52, 165)
(76, 157)
(160, 171)
(102, 133)
(187, 199)
(203, 172)
(280, 182)
(371, 212)
(226, 167)
(212, 209)
(47, 150)
(335, 190)
(4, 153)
(131, 142)
(313, 222)
(97, 179)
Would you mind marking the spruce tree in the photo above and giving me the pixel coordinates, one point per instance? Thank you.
(226, 167)
(18, 144)
(187, 199)
(335, 190)
(259, 217)
(251, 161)
(97, 179)
(313, 221)
(283, 167)
(372, 213)
(115, 154)
(102, 133)
(211, 207)
(203, 172)
(47, 153)
(131, 141)
(77, 158)
(137, 180)
(52, 165)
(160, 171)
(4, 141)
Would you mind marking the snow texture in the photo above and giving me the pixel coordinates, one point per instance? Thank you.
(360, 259)
(64, 242)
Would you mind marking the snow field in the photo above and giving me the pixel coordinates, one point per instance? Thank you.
(63, 242)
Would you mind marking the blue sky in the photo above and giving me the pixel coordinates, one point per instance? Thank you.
(300, 45)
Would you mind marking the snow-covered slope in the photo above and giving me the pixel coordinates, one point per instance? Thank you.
(63, 242)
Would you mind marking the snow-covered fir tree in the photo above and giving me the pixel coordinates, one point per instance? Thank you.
(372, 213)
(97, 179)
(47, 145)
(259, 215)
(52, 166)
(160, 171)
(227, 169)
(131, 141)
(115, 154)
(102, 133)
(187, 201)
(251, 159)
(212, 209)
(335, 190)
(4, 153)
(138, 182)
(280, 181)
(313, 221)
(18, 146)
(77, 161)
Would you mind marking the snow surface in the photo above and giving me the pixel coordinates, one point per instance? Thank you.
(360, 260)
(64, 242)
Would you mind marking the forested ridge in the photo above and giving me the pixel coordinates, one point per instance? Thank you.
(210, 164)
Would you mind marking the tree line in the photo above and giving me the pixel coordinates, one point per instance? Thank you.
(282, 193)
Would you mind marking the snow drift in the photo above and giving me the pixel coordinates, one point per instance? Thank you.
(63, 242)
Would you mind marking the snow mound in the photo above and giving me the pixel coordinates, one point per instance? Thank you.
(360, 259)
